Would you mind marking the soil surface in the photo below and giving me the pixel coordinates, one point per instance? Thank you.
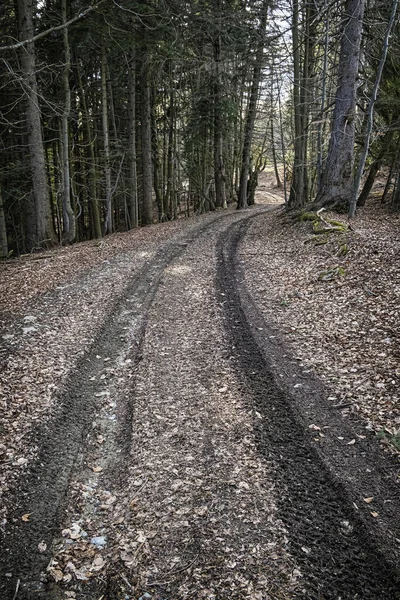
(168, 428)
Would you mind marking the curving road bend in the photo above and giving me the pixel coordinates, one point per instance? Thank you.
(178, 465)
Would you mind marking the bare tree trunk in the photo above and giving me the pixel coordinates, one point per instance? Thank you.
(363, 157)
(299, 190)
(337, 179)
(94, 205)
(393, 165)
(133, 197)
(147, 209)
(323, 101)
(219, 169)
(252, 108)
(283, 148)
(296, 189)
(374, 169)
(170, 191)
(68, 213)
(3, 230)
(277, 176)
(156, 158)
(39, 223)
(108, 226)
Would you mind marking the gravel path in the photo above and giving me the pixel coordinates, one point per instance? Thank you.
(173, 465)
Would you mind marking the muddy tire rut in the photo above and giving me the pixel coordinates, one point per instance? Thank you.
(343, 556)
(178, 373)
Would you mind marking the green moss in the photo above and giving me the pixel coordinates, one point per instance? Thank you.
(392, 439)
(332, 273)
(319, 227)
(337, 224)
(309, 216)
(320, 240)
(343, 249)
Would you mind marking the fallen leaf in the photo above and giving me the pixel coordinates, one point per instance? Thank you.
(57, 574)
(25, 517)
(97, 469)
(351, 443)
(82, 576)
(98, 563)
(368, 500)
(374, 514)
(141, 538)
(76, 532)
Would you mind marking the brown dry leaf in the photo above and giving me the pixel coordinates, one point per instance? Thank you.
(368, 500)
(97, 469)
(25, 517)
(57, 574)
(374, 514)
(98, 563)
(83, 576)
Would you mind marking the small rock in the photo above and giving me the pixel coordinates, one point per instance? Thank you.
(27, 330)
(99, 541)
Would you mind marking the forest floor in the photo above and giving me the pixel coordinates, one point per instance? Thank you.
(206, 408)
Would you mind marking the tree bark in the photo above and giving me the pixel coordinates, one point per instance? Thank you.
(39, 223)
(374, 169)
(156, 158)
(299, 190)
(252, 108)
(132, 189)
(94, 205)
(3, 229)
(68, 213)
(337, 179)
(219, 169)
(371, 105)
(296, 188)
(108, 226)
(323, 102)
(277, 177)
(147, 196)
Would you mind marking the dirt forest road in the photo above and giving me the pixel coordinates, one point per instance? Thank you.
(178, 459)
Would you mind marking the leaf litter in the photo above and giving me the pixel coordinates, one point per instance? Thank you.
(344, 329)
(141, 534)
(192, 511)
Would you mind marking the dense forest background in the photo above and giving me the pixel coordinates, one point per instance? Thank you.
(125, 112)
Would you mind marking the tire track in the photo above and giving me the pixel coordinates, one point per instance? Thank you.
(336, 552)
(61, 440)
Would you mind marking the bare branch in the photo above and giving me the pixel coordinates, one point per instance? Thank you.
(43, 34)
